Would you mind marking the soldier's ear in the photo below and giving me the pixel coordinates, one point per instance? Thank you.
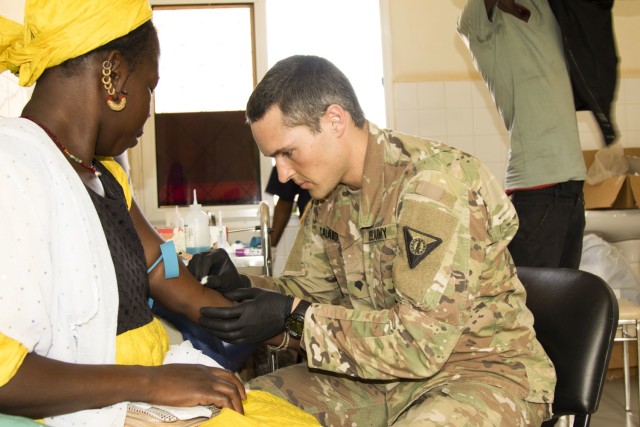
(336, 118)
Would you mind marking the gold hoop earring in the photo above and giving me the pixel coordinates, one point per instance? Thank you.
(115, 102)
(119, 105)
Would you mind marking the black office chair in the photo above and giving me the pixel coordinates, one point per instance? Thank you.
(576, 315)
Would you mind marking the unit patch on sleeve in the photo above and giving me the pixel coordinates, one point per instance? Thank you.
(419, 245)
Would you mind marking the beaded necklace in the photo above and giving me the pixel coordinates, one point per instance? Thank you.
(63, 148)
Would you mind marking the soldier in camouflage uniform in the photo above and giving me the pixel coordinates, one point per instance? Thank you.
(417, 315)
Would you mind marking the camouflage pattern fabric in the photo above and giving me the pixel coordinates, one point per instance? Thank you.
(411, 279)
(338, 400)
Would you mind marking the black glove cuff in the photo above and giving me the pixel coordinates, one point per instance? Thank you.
(287, 309)
(246, 282)
(302, 307)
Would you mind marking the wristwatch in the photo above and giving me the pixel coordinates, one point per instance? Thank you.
(294, 324)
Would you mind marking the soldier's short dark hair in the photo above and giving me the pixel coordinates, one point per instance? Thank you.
(303, 87)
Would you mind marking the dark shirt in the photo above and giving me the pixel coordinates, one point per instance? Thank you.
(127, 253)
(287, 191)
(590, 48)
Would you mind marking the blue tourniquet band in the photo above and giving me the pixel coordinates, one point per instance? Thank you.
(170, 257)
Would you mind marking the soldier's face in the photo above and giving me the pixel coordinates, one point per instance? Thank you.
(316, 162)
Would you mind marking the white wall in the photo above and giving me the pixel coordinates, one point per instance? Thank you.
(436, 91)
(461, 113)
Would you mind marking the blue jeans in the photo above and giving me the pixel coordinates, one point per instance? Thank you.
(230, 356)
(551, 226)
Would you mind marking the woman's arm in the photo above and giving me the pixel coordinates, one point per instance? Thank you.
(44, 387)
(183, 294)
(489, 5)
(513, 8)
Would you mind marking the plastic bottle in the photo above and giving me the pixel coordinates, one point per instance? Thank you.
(220, 233)
(177, 222)
(196, 227)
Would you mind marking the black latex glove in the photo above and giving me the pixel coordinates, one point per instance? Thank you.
(218, 271)
(260, 315)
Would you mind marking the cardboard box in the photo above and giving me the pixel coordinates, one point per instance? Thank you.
(616, 365)
(617, 192)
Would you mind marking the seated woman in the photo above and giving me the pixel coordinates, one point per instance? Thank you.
(77, 337)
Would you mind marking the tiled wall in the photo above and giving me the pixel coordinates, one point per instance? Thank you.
(463, 114)
(459, 113)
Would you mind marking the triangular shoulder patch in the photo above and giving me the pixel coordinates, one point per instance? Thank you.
(419, 245)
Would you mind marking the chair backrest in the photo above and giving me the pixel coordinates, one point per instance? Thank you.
(576, 316)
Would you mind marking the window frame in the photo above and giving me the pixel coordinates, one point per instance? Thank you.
(143, 157)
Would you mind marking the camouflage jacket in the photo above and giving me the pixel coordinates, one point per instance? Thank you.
(411, 279)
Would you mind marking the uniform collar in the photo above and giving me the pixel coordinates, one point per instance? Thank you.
(373, 177)
(367, 200)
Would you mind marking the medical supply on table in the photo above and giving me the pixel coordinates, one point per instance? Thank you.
(196, 226)
(219, 233)
(178, 237)
(219, 236)
(248, 251)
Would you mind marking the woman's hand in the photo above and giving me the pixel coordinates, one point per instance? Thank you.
(191, 385)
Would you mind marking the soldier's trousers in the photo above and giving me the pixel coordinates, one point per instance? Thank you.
(341, 401)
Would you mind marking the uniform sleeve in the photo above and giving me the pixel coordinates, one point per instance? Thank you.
(442, 241)
(307, 273)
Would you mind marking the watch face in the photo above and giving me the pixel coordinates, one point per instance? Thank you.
(295, 326)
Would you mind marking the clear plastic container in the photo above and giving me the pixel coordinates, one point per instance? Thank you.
(196, 228)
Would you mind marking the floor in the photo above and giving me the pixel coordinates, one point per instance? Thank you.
(611, 411)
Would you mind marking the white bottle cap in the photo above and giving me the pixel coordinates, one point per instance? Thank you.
(176, 220)
(195, 200)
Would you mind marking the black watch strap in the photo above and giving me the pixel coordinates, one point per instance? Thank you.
(294, 324)
(302, 307)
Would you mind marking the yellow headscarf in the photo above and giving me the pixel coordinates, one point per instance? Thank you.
(55, 31)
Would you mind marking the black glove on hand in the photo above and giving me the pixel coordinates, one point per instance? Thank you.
(218, 270)
(260, 315)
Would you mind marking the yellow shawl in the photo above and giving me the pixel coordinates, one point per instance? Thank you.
(55, 31)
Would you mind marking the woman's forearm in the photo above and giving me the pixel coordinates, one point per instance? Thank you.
(44, 387)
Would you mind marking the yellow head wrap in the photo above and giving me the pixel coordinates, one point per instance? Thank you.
(55, 31)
